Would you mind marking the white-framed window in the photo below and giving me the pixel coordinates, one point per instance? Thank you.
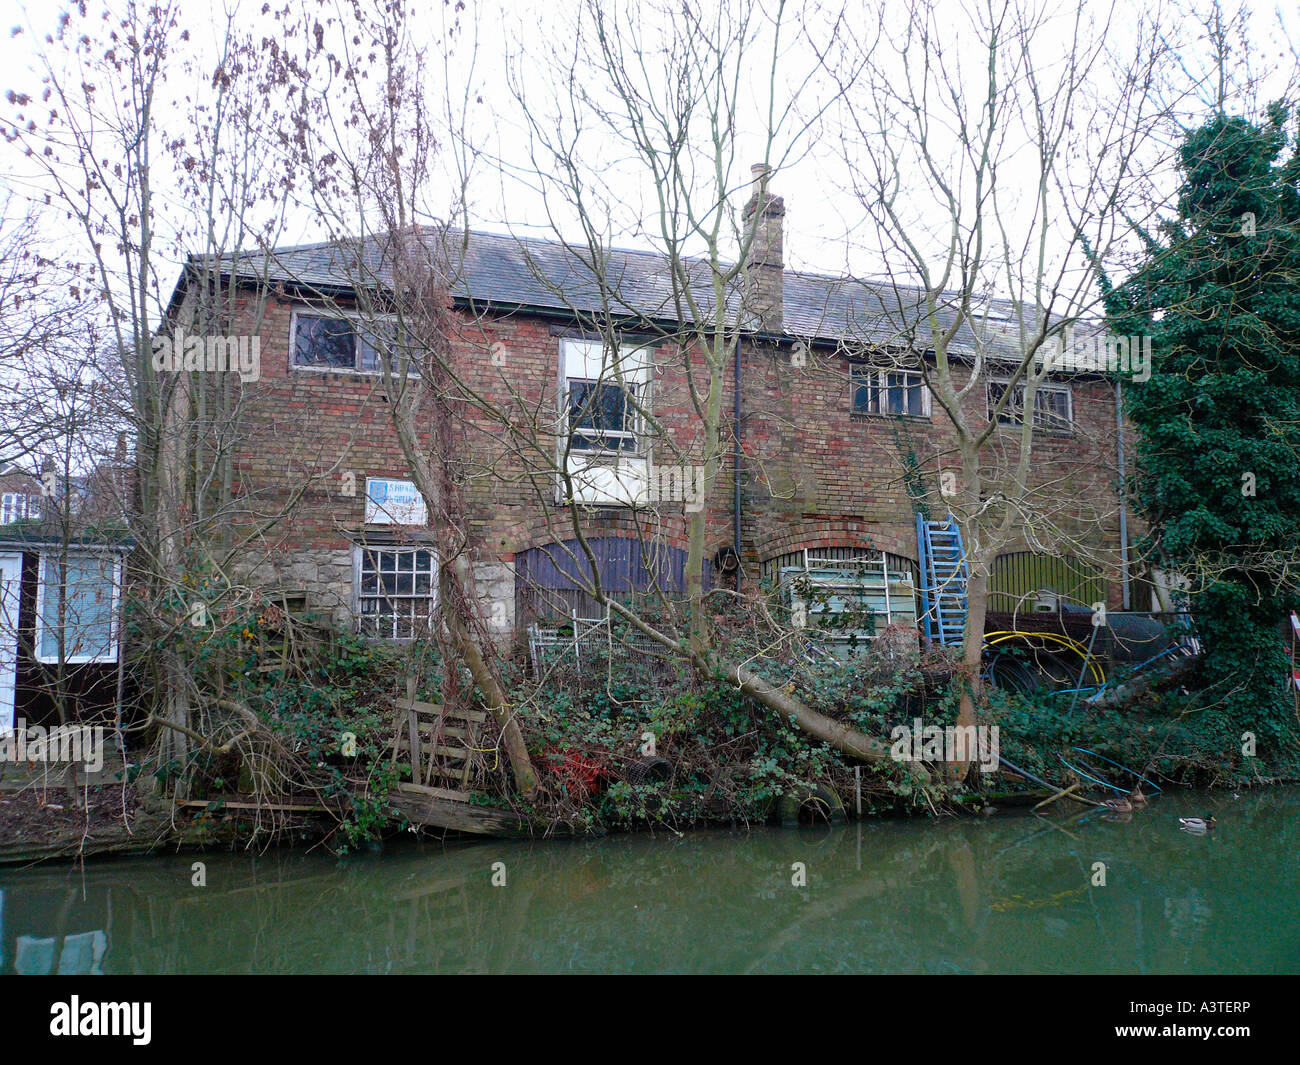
(397, 590)
(883, 391)
(337, 343)
(603, 391)
(18, 506)
(1053, 405)
(88, 586)
(602, 434)
(602, 416)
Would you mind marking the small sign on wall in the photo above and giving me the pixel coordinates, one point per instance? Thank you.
(393, 502)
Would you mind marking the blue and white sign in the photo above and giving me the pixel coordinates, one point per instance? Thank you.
(392, 502)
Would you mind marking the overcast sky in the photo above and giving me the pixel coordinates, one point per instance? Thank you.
(524, 44)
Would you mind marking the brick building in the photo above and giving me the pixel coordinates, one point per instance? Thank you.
(824, 451)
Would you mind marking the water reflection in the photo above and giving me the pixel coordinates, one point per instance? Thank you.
(998, 895)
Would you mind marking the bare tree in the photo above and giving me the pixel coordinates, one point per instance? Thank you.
(137, 186)
(674, 88)
(994, 150)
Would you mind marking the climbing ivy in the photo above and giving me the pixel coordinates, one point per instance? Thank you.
(1218, 449)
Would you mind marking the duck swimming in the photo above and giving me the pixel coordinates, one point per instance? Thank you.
(1197, 825)
(1121, 805)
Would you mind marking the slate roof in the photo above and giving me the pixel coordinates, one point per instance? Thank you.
(510, 273)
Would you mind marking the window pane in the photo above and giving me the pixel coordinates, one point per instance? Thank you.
(85, 585)
(896, 394)
(916, 399)
(598, 405)
(324, 342)
(1052, 409)
(1011, 412)
(601, 415)
(373, 336)
(860, 388)
(397, 589)
(367, 356)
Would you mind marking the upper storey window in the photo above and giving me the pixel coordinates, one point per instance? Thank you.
(1053, 409)
(898, 392)
(335, 342)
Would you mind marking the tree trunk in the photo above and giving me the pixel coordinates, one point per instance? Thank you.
(512, 737)
(977, 601)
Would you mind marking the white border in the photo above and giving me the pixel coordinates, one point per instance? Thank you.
(75, 660)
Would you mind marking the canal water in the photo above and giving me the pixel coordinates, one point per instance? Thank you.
(1004, 894)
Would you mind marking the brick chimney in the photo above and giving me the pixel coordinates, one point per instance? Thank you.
(765, 263)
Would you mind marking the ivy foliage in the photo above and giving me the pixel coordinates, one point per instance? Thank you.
(1217, 453)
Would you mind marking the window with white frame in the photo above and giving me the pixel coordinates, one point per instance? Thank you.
(1053, 410)
(602, 433)
(77, 595)
(884, 391)
(602, 391)
(338, 342)
(397, 591)
(17, 506)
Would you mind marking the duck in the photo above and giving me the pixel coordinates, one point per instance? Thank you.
(1120, 805)
(1197, 825)
(1136, 797)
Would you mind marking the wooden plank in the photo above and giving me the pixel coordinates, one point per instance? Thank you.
(433, 811)
(414, 730)
(435, 710)
(449, 794)
(475, 716)
(457, 753)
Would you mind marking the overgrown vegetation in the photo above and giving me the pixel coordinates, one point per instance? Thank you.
(290, 713)
(1217, 480)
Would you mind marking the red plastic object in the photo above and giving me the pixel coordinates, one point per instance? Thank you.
(580, 774)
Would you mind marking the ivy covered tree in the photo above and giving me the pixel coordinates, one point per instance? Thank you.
(1218, 452)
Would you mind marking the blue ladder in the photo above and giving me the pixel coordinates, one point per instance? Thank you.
(944, 574)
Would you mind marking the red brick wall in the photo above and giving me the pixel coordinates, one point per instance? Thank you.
(815, 474)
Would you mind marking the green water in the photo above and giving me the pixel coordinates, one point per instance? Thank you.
(1003, 894)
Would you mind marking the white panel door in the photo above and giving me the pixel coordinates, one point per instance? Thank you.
(11, 568)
